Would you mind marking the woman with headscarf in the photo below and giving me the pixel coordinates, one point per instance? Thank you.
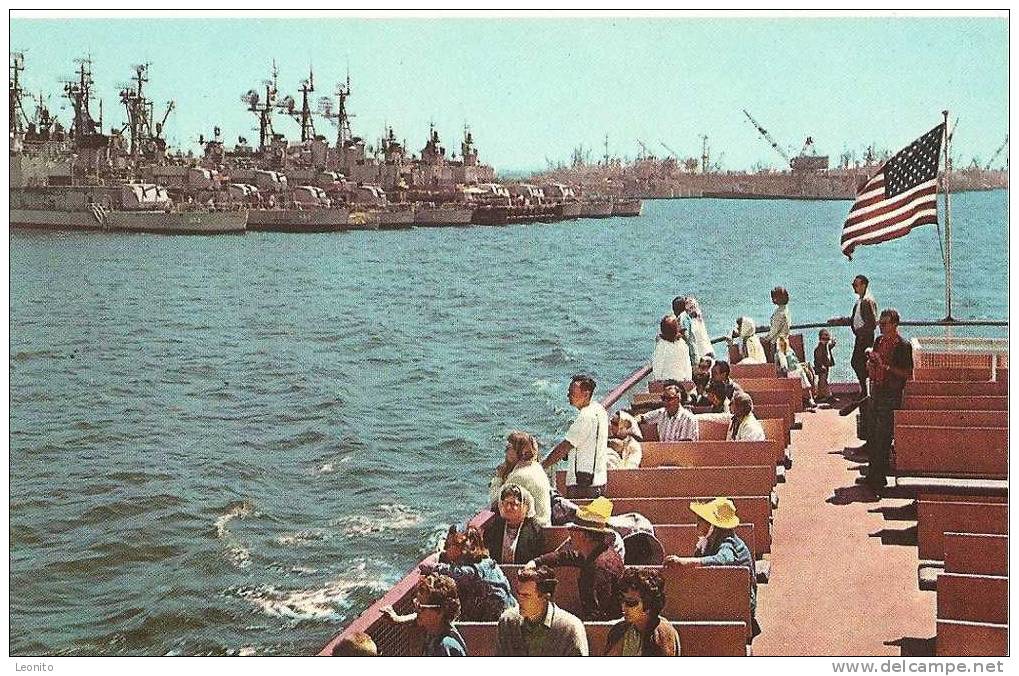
(523, 467)
(750, 345)
(697, 333)
(625, 451)
(513, 535)
(671, 358)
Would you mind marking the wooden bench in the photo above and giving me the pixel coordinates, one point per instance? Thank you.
(972, 452)
(710, 453)
(976, 553)
(678, 539)
(950, 403)
(973, 598)
(775, 429)
(929, 418)
(757, 387)
(696, 639)
(755, 510)
(941, 388)
(739, 371)
(977, 374)
(662, 482)
(795, 344)
(971, 639)
(934, 518)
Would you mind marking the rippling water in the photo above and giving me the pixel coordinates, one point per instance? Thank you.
(232, 445)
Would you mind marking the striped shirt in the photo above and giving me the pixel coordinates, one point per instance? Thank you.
(680, 427)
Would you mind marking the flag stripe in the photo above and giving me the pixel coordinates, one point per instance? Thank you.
(863, 219)
(891, 233)
(891, 220)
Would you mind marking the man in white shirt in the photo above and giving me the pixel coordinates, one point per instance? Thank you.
(586, 443)
(674, 422)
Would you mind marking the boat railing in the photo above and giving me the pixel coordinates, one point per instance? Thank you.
(638, 376)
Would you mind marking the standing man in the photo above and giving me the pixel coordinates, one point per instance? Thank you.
(586, 443)
(889, 365)
(863, 320)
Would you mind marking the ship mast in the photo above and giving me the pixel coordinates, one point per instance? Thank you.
(80, 93)
(144, 133)
(263, 108)
(307, 124)
(17, 111)
(343, 132)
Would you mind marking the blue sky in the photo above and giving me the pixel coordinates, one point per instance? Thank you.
(533, 88)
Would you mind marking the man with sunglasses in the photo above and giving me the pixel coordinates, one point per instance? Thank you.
(672, 421)
(889, 366)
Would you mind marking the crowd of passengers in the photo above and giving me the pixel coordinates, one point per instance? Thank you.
(464, 582)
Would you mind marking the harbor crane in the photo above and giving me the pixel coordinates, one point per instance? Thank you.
(647, 154)
(674, 154)
(774, 144)
(997, 152)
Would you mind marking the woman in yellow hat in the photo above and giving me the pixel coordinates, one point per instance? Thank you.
(718, 544)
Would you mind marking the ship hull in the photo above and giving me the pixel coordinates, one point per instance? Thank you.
(44, 219)
(178, 223)
(595, 209)
(158, 222)
(491, 215)
(402, 219)
(627, 207)
(297, 220)
(435, 217)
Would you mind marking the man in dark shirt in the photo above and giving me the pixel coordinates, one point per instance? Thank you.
(590, 548)
(889, 366)
(863, 322)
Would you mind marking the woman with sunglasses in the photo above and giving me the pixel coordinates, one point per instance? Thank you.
(436, 607)
(642, 631)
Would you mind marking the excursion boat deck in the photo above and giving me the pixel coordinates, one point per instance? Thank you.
(918, 569)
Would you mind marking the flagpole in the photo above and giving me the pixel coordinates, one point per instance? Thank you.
(948, 228)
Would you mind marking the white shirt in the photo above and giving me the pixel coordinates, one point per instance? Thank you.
(671, 360)
(680, 427)
(749, 430)
(589, 436)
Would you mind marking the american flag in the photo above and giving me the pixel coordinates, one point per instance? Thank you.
(900, 196)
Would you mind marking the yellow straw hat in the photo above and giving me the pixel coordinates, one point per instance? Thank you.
(720, 512)
(593, 517)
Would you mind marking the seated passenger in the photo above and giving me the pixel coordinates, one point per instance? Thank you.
(673, 422)
(600, 564)
(522, 467)
(671, 358)
(718, 545)
(716, 396)
(699, 393)
(513, 535)
(481, 585)
(750, 348)
(745, 425)
(436, 606)
(642, 631)
(624, 445)
(356, 645)
(538, 627)
(720, 373)
(790, 367)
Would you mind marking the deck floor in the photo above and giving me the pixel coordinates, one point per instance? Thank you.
(844, 563)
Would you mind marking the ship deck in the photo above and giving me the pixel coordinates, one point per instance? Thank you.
(844, 565)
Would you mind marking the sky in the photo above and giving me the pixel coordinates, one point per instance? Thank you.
(534, 88)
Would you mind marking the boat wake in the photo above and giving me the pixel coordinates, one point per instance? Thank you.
(388, 517)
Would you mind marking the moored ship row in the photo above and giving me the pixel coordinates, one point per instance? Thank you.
(81, 178)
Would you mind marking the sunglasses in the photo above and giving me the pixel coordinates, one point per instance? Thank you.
(630, 602)
(433, 606)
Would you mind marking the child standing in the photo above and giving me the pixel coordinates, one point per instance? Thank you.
(824, 359)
